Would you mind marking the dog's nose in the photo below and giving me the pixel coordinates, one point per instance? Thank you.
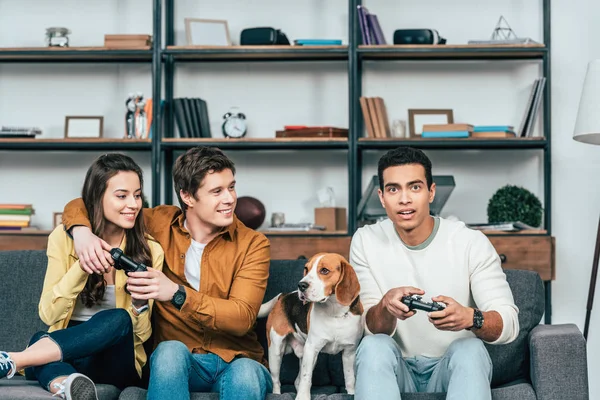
(302, 286)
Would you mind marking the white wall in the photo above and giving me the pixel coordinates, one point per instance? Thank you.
(274, 94)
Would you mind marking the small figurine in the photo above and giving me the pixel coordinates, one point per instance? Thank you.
(141, 120)
(130, 117)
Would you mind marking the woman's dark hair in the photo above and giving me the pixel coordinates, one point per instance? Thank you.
(94, 187)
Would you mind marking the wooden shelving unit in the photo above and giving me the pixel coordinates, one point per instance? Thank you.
(452, 52)
(75, 144)
(75, 54)
(257, 144)
(455, 144)
(257, 53)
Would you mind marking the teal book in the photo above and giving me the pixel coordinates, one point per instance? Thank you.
(446, 134)
(318, 42)
(493, 128)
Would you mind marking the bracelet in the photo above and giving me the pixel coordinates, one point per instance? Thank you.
(138, 311)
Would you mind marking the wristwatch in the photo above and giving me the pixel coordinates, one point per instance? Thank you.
(179, 297)
(477, 319)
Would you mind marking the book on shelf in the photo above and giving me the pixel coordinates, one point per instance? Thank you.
(311, 132)
(191, 118)
(531, 109)
(445, 134)
(370, 28)
(125, 41)
(515, 226)
(15, 216)
(375, 117)
(493, 131)
(318, 42)
(19, 132)
(447, 127)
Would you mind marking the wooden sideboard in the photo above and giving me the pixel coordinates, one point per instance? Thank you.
(530, 252)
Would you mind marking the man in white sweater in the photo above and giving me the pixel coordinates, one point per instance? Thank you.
(413, 253)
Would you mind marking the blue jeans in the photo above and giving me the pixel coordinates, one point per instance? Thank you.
(175, 372)
(464, 371)
(101, 348)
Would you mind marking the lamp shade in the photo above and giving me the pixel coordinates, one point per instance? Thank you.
(587, 126)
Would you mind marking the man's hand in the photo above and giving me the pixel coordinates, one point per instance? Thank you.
(93, 252)
(392, 301)
(151, 284)
(455, 317)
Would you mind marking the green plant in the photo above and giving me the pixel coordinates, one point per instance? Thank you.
(512, 203)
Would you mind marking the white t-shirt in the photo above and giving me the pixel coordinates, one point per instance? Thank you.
(193, 261)
(83, 313)
(454, 261)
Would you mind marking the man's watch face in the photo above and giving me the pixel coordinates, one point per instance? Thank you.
(178, 298)
(477, 319)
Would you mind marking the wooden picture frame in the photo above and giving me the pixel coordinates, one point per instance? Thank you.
(207, 32)
(84, 127)
(56, 219)
(419, 117)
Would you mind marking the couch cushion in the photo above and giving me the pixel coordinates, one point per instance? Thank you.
(18, 388)
(511, 361)
(21, 284)
(284, 276)
(522, 391)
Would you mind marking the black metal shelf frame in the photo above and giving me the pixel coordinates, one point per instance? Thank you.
(33, 145)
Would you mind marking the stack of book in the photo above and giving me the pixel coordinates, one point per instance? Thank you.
(375, 117)
(369, 27)
(14, 132)
(437, 131)
(15, 216)
(493, 131)
(127, 41)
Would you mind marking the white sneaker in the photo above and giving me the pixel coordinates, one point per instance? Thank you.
(76, 387)
(7, 365)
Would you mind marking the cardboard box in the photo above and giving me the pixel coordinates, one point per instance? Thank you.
(332, 218)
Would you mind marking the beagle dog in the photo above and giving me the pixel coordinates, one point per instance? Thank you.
(323, 315)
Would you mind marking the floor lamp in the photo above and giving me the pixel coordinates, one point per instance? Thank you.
(587, 130)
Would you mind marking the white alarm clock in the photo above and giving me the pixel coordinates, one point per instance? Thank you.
(234, 124)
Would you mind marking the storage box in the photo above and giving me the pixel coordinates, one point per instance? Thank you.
(332, 218)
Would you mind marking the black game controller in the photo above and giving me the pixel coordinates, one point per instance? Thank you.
(125, 263)
(415, 303)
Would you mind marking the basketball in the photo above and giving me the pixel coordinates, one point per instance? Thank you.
(250, 211)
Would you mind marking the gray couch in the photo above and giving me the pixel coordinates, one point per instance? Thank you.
(545, 362)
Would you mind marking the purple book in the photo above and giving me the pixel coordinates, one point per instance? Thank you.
(364, 26)
(375, 28)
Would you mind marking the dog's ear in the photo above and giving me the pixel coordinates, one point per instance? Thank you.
(348, 288)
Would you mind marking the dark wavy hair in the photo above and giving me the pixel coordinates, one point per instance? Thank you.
(94, 187)
(402, 156)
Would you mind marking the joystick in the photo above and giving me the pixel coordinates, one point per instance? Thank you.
(125, 263)
(415, 303)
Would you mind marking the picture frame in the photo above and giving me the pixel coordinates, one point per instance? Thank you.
(84, 127)
(207, 32)
(419, 117)
(56, 219)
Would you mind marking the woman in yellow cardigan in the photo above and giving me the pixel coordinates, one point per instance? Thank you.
(97, 329)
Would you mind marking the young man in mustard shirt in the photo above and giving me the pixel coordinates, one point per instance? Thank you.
(208, 295)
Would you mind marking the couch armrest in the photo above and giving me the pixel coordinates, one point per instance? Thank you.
(558, 362)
